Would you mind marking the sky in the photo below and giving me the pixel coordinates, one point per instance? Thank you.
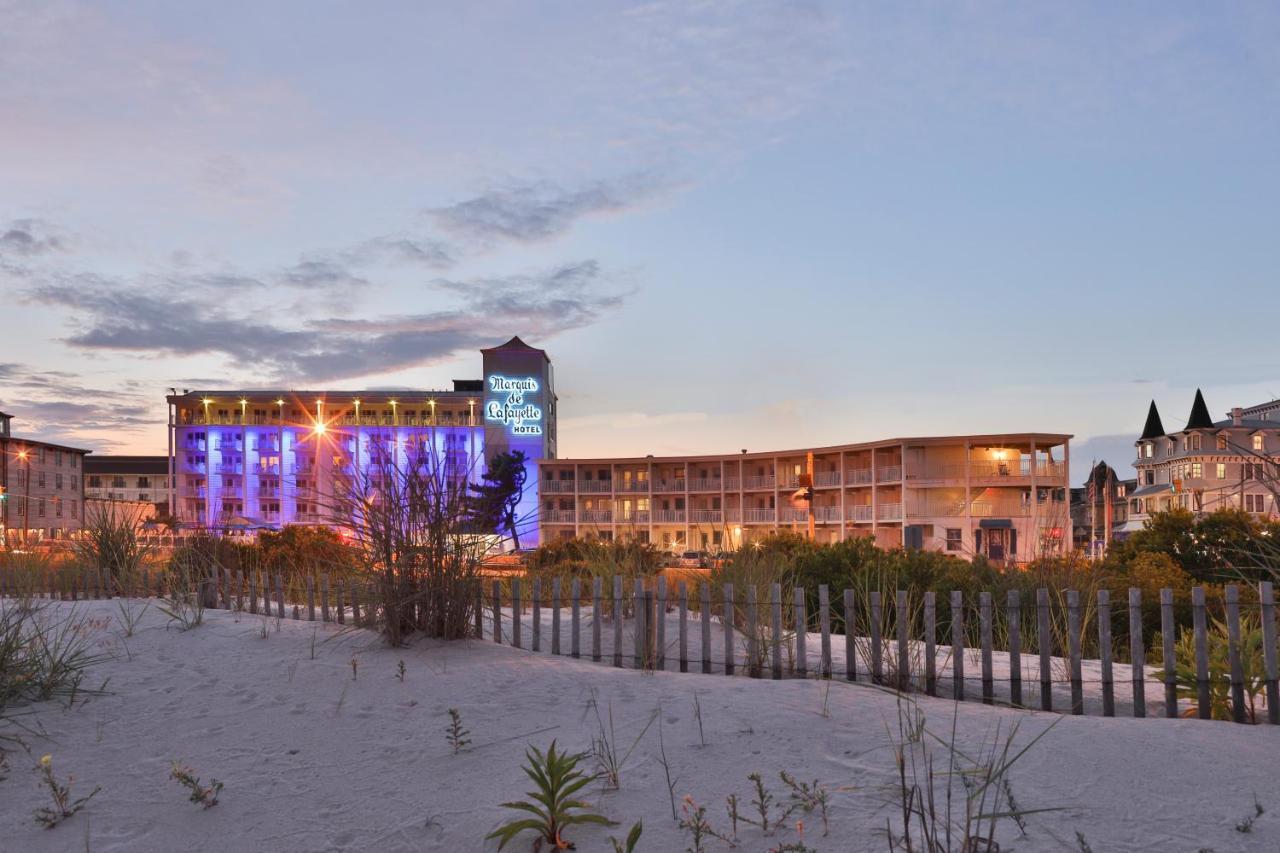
(731, 224)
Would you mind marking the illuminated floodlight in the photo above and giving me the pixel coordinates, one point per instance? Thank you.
(319, 429)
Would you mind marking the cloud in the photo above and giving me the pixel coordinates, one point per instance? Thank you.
(527, 212)
(57, 406)
(320, 274)
(114, 317)
(29, 238)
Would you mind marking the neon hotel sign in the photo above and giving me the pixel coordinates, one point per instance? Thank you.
(510, 409)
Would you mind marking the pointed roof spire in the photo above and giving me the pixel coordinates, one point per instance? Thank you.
(1154, 428)
(1200, 417)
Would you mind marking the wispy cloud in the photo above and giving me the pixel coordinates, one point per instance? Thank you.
(58, 406)
(28, 238)
(527, 212)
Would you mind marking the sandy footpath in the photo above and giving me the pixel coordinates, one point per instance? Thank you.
(314, 760)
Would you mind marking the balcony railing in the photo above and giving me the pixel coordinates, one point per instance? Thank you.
(637, 516)
(676, 485)
(789, 515)
(705, 516)
(733, 516)
(827, 514)
(997, 469)
(595, 486)
(858, 477)
(632, 485)
(788, 481)
(756, 516)
(557, 486)
(826, 478)
(229, 468)
(558, 516)
(705, 484)
(668, 516)
(859, 513)
(758, 483)
(596, 516)
(888, 473)
(889, 512)
(732, 484)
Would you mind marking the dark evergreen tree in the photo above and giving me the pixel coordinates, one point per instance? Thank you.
(494, 501)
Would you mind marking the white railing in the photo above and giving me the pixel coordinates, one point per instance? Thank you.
(557, 486)
(757, 483)
(788, 514)
(936, 471)
(668, 516)
(788, 481)
(558, 516)
(639, 516)
(676, 485)
(826, 478)
(632, 485)
(596, 516)
(758, 515)
(859, 513)
(826, 514)
(732, 484)
(889, 512)
(733, 515)
(595, 486)
(887, 473)
(1049, 470)
(705, 516)
(705, 484)
(858, 477)
(995, 469)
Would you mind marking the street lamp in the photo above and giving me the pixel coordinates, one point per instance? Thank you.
(394, 421)
(471, 413)
(432, 404)
(23, 456)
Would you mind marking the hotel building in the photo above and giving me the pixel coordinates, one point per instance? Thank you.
(244, 459)
(1208, 465)
(40, 483)
(132, 479)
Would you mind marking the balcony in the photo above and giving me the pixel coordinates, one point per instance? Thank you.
(733, 516)
(732, 484)
(791, 515)
(268, 469)
(888, 473)
(1050, 470)
(938, 471)
(889, 512)
(558, 516)
(557, 486)
(859, 513)
(788, 481)
(999, 469)
(676, 485)
(269, 492)
(641, 486)
(229, 468)
(758, 516)
(756, 484)
(857, 477)
(705, 484)
(595, 486)
(826, 479)
(827, 514)
(668, 516)
(596, 516)
(638, 516)
(705, 516)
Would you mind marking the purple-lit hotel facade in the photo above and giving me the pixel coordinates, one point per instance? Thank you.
(252, 459)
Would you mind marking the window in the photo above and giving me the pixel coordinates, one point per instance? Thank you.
(1222, 471)
(1257, 442)
(1195, 441)
(954, 537)
(1197, 470)
(57, 480)
(1147, 450)
(117, 482)
(1255, 503)
(144, 482)
(1222, 441)
(95, 482)
(1149, 478)
(40, 478)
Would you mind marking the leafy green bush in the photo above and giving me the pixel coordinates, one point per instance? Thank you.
(1220, 668)
(557, 779)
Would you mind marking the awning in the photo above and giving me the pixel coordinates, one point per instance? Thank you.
(1157, 489)
(1130, 526)
(987, 523)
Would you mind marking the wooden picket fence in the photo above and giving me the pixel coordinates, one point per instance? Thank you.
(769, 647)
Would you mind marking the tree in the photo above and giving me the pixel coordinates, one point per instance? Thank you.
(494, 501)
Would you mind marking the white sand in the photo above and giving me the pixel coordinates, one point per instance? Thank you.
(315, 761)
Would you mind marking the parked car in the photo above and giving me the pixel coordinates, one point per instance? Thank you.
(692, 560)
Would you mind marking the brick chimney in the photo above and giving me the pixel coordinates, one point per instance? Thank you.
(1237, 414)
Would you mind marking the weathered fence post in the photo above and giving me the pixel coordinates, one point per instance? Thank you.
(239, 581)
(324, 597)
(850, 658)
(650, 632)
(253, 592)
(775, 628)
(479, 608)
(1168, 636)
(575, 626)
(342, 601)
(684, 626)
(1044, 644)
(930, 643)
(311, 599)
(535, 615)
(706, 628)
(957, 644)
(1137, 653)
(617, 620)
(637, 607)
(802, 630)
(597, 616)
(660, 624)
(1013, 609)
(753, 640)
(824, 626)
(1232, 596)
(496, 594)
(556, 604)
(877, 642)
(279, 596)
(1073, 651)
(728, 629)
(1266, 596)
(1198, 621)
(516, 612)
(1104, 649)
(984, 630)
